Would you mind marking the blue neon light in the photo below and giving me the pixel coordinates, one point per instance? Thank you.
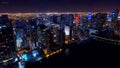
(25, 57)
(89, 16)
(35, 53)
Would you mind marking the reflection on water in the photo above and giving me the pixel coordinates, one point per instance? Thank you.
(67, 52)
(21, 65)
(92, 52)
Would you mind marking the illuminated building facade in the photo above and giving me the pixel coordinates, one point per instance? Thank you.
(7, 46)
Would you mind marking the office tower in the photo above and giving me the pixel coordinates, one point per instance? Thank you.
(100, 19)
(33, 33)
(71, 19)
(19, 34)
(7, 46)
(62, 21)
(76, 19)
(53, 19)
(115, 15)
(89, 16)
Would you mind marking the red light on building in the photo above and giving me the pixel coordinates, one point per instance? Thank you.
(76, 19)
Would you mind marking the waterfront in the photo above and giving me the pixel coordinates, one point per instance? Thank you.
(93, 53)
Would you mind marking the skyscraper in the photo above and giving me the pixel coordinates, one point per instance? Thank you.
(7, 46)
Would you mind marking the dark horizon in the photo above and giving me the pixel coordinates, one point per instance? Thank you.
(22, 6)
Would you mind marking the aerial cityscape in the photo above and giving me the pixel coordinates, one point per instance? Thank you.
(62, 37)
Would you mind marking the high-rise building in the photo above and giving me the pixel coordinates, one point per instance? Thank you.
(112, 17)
(76, 19)
(89, 16)
(71, 19)
(116, 13)
(33, 33)
(7, 46)
(62, 21)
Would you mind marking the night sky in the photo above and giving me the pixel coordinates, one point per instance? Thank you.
(58, 5)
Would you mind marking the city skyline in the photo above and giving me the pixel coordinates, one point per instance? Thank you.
(58, 5)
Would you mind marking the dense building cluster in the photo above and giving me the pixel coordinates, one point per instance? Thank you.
(32, 38)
